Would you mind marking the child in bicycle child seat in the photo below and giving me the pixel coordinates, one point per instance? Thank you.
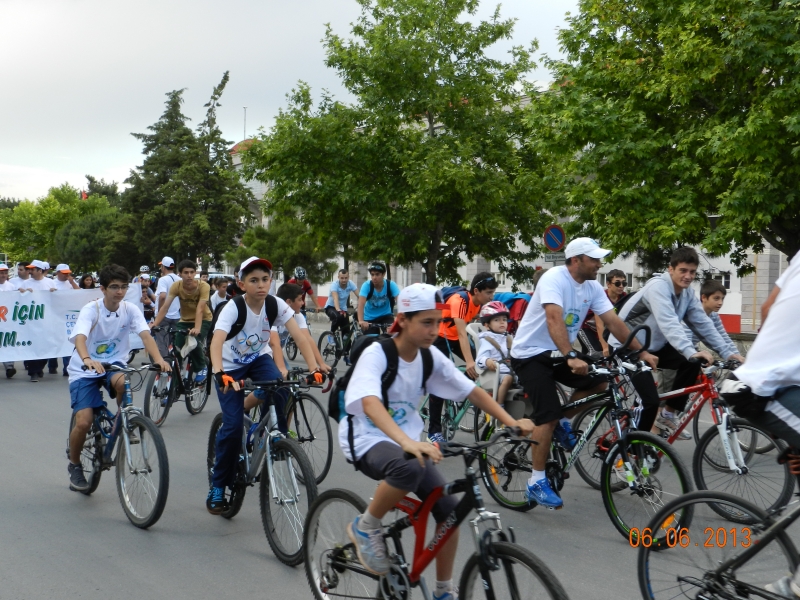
(381, 437)
(494, 348)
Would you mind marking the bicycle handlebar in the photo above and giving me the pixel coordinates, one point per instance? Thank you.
(631, 336)
(113, 367)
(514, 434)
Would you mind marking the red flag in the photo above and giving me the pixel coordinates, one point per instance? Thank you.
(84, 195)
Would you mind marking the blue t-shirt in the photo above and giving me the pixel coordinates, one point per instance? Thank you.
(343, 294)
(378, 306)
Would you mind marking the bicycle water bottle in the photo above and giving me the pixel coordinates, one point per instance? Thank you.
(250, 433)
(262, 436)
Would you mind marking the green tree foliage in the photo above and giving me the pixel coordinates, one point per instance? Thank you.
(666, 112)
(423, 166)
(185, 200)
(8, 203)
(287, 243)
(99, 187)
(87, 243)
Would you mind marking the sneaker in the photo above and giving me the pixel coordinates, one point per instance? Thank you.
(215, 501)
(41, 374)
(53, 371)
(541, 493)
(565, 436)
(783, 587)
(201, 375)
(436, 438)
(370, 547)
(10, 373)
(77, 481)
(670, 424)
(34, 378)
(451, 595)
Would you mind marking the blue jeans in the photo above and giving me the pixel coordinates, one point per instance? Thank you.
(229, 436)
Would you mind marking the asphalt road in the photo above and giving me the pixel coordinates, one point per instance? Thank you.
(55, 543)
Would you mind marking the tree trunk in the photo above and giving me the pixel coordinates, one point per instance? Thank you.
(433, 255)
(783, 237)
(388, 270)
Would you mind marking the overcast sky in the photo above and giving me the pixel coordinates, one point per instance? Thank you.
(78, 76)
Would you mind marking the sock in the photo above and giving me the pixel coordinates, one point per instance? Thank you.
(368, 522)
(536, 476)
(442, 587)
(564, 422)
(667, 413)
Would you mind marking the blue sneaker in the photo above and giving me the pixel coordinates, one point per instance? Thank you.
(215, 501)
(200, 376)
(370, 548)
(565, 436)
(541, 493)
(451, 595)
(436, 438)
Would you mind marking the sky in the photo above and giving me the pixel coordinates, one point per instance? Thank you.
(77, 77)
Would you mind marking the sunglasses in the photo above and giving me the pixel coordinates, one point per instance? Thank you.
(618, 283)
(117, 288)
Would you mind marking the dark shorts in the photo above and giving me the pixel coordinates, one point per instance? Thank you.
(538, 377)
(386, 461)
(782, 418)
(85, 392)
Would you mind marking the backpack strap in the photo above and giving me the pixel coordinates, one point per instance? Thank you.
(389, 294)
(272, 309)
(427, 367)
(371, 290)
(241, 317)
(390, 374)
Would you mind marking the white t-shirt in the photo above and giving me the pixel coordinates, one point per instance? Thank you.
(301, 322)
(8, 286)
(215, 300)
(43, 285)
(404, 394)
(164, 284)
(62, 285)
(575, 299)
(106, 335)
(774, 362)
(253, 340)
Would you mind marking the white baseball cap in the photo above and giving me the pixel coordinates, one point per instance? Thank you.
(167, 262)
(254, 259)
(63, 268)
(416, 297)
(39, 264)
(3, 267)
(587, 246)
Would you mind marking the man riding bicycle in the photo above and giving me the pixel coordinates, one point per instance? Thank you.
(339, 300)
(376, 299)
(550, 326)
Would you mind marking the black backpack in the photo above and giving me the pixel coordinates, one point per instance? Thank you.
(389, 295)
(241, 317)
(618, 309)
(336, 409)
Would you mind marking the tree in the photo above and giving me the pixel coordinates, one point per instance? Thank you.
(185, 200)
(666, 113)
(8, 203)
(287, 243)
(423, 166)
(99, 187)
(86, 243)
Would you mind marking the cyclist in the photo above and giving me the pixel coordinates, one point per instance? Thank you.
(195, 316)
(662, 304)
(591, 334)
(339, 301)
(300, 279)
(453, 338)
(563, 297)
(246, 354)
(380, 437)
(165, 282)
(376, 299)
(101, 336)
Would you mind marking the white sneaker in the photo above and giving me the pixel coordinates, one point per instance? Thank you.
(670, 424)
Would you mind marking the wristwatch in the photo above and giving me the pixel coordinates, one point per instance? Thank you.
(572, 354)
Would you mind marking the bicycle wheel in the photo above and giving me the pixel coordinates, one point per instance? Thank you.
(766, 484)
(143, 484)
(91, 456)
(468, 421)
(235, 494)
(327, 349)
(686, 569)
(285, 500)
(290, 348)
(331, 564)
(521, 576)
(660, 476)
(480, 421)
(506, 468)
(590, 460)
(308, 420)
(449, 420)
(160, 392)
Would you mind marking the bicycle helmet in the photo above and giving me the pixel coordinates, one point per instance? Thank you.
(493, 309)
(144, 269)
(299, 273)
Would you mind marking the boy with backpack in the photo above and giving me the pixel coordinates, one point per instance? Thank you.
(495, 349)
(376, 299)
(239, 349)
(462, 307)
(381, 399)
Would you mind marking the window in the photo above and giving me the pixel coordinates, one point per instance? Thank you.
(500, 277)
(725, 278)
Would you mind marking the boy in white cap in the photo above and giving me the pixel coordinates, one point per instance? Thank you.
(168, 277)
(380, 437)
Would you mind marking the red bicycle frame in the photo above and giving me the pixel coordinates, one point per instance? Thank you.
(705, 390)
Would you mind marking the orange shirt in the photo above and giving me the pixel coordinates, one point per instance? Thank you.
(458, 310)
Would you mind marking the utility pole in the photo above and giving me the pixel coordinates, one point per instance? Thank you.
(245, 124)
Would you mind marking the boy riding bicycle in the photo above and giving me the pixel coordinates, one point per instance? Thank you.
(381, 437)
(101, 336)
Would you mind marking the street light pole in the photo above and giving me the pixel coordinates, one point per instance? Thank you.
(245, 124)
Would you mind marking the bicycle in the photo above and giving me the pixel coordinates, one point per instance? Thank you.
(163, 389)
(692, 552)
(334, 346)
(498, 569)
(141, 462)
(455, 415)
(288, 488)
(290, 347)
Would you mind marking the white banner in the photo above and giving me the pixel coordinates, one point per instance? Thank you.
(37, 325)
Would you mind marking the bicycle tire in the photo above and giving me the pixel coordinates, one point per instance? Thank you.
(287, 457)
(467, 424)
(313, 429)
(693, 561)
(290, 348)
(449, 420)
(696, 435)
(325, 540)
(327, 349)
(197, 396)
(655, 461)
(766, 484)
(91, 460)
(587, 464)
(156, 389)
(235, 494)
(481, 420)
(505, 468)
(135, 490)
(471, 585)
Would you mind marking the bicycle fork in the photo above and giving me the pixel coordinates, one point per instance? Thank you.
(725, 435)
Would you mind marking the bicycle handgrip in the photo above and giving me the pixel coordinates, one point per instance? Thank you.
(632, 334)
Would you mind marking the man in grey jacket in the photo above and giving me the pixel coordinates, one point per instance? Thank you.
(664, 304)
